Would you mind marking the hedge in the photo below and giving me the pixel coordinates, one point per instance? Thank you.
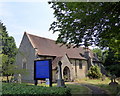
(24, 89)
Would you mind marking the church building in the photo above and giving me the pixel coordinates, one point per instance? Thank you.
(75, 61)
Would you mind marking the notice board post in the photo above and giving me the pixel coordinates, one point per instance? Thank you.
(43, 70)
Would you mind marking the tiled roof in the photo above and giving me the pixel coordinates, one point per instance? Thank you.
(48, 47)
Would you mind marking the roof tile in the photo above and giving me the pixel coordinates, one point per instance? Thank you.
(49, 47)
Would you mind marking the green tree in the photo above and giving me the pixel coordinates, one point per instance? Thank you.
(93, 23)
(101, 54)
(7, 69)
(98, 52)
(112, 62)
(8, 51)
(94, 72)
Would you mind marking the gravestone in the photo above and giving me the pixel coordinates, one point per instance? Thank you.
(19, 78)
(113, 82)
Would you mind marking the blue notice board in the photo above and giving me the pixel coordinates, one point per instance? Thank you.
(42, 69)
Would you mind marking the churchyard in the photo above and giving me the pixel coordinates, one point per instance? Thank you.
(71, 89)
(70, 68)
(104, 84)
(94, 84)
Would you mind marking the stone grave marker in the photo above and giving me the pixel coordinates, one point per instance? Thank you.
(19, 78)
(113, 82)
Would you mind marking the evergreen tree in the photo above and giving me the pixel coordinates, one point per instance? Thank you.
(8, 51)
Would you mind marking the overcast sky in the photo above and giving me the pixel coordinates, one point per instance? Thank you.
(32, 17)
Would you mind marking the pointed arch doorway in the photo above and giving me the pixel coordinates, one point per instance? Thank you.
(66, 74)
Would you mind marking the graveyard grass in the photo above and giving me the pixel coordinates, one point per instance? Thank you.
(113, 90)
(25, 89)
(78, 89)
(14, 88)
(75, 89)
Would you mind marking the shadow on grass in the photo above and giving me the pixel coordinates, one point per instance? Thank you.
(111, 89)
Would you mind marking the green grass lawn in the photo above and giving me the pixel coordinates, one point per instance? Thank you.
(93, 81)
(25, 89)
(78, 89)
(15, 88)
(102, 84)
(75, 89)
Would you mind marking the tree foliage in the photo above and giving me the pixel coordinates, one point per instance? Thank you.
(8, 43)
(8, 51)
(83, 23)
(94, 72)
(112, 62)
(101, 54)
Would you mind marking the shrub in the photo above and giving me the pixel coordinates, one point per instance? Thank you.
(23, 89)
(94, 72)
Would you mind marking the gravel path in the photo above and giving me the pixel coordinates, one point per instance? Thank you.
(96, 91)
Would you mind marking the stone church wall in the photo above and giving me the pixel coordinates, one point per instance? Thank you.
(26, 55)
(81, 72)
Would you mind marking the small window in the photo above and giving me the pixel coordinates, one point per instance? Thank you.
(80, 64)
(24, 65)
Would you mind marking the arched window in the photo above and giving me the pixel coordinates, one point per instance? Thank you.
(66, 73)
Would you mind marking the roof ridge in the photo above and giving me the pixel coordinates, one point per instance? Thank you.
(46, 38)
(40, 37)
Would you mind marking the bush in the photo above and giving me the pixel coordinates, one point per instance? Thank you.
(23, 89)
(94, 72)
